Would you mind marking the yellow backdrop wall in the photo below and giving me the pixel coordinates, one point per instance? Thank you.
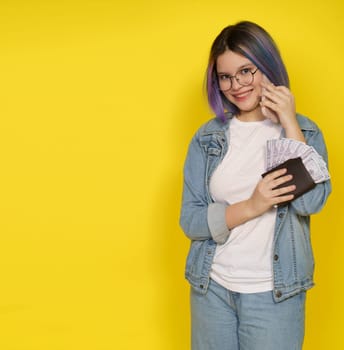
(99, 100)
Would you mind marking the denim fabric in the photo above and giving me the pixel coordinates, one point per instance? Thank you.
(264, 324)
(203, 221)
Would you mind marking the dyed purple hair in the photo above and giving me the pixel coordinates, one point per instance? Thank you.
(252, 41)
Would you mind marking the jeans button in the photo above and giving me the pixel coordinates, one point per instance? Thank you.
(276, 257)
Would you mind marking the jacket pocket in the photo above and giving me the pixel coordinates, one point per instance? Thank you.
(195, 259)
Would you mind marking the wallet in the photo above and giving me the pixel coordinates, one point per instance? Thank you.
(301, 177)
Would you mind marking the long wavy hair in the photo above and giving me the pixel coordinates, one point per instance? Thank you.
(253, 42)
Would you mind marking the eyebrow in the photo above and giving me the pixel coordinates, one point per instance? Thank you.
(241, 67)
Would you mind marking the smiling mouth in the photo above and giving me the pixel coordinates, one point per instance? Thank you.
(242, 95)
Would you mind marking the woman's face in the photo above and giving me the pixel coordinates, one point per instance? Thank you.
(247, 97)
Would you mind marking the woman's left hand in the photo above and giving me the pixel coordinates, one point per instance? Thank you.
(280, 101)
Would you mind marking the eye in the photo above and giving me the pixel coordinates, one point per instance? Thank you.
(245, 71)
(224, 77)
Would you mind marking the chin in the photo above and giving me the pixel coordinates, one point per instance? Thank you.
(249, 107)
(254, 112)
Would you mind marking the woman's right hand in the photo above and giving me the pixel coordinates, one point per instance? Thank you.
(265, 195)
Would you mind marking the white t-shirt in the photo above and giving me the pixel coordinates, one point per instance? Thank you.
(244, 262)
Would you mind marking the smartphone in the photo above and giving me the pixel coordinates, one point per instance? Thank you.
(267, 112)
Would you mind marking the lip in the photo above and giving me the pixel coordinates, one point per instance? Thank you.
(241, 96)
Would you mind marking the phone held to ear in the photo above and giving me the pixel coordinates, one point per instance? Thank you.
(267, 112)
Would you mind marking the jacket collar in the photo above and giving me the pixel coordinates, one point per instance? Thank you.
(217, 126)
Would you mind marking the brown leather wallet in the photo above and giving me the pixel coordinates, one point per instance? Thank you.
(301, 177)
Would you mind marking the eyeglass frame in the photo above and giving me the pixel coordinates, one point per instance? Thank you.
(235, 76)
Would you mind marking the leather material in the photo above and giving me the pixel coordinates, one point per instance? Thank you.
(301, 177)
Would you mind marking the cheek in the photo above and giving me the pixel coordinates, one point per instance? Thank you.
(229, 97)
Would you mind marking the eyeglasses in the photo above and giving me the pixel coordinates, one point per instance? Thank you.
(244, 77)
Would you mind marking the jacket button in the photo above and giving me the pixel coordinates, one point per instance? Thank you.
(278, 293)
(201, 286)
(280, 215)
(276, 257)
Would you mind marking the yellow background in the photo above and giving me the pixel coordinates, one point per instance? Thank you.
(99, 100)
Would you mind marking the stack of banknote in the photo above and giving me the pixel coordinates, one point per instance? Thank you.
(280, 150)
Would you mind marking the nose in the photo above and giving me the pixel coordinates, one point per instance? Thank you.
(235, 84)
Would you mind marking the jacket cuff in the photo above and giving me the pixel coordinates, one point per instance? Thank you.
(217, 222)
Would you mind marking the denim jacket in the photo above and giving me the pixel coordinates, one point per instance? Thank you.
(203, 220)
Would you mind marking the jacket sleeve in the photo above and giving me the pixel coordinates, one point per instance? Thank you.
(200, 218)
(314, 200)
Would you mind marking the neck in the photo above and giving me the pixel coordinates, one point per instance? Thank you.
(254, 115)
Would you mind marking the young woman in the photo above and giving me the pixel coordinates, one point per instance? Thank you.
(250, 262)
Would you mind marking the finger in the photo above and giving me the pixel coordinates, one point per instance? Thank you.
(275, 96)
(281, 199)
(283, 190)
(269, 88)
(267, 84)
(269, 104)
(268, 113)
(278, 95)
(275, 174)
(280, 181)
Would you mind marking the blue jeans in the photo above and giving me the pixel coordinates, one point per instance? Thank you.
(225, 320)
